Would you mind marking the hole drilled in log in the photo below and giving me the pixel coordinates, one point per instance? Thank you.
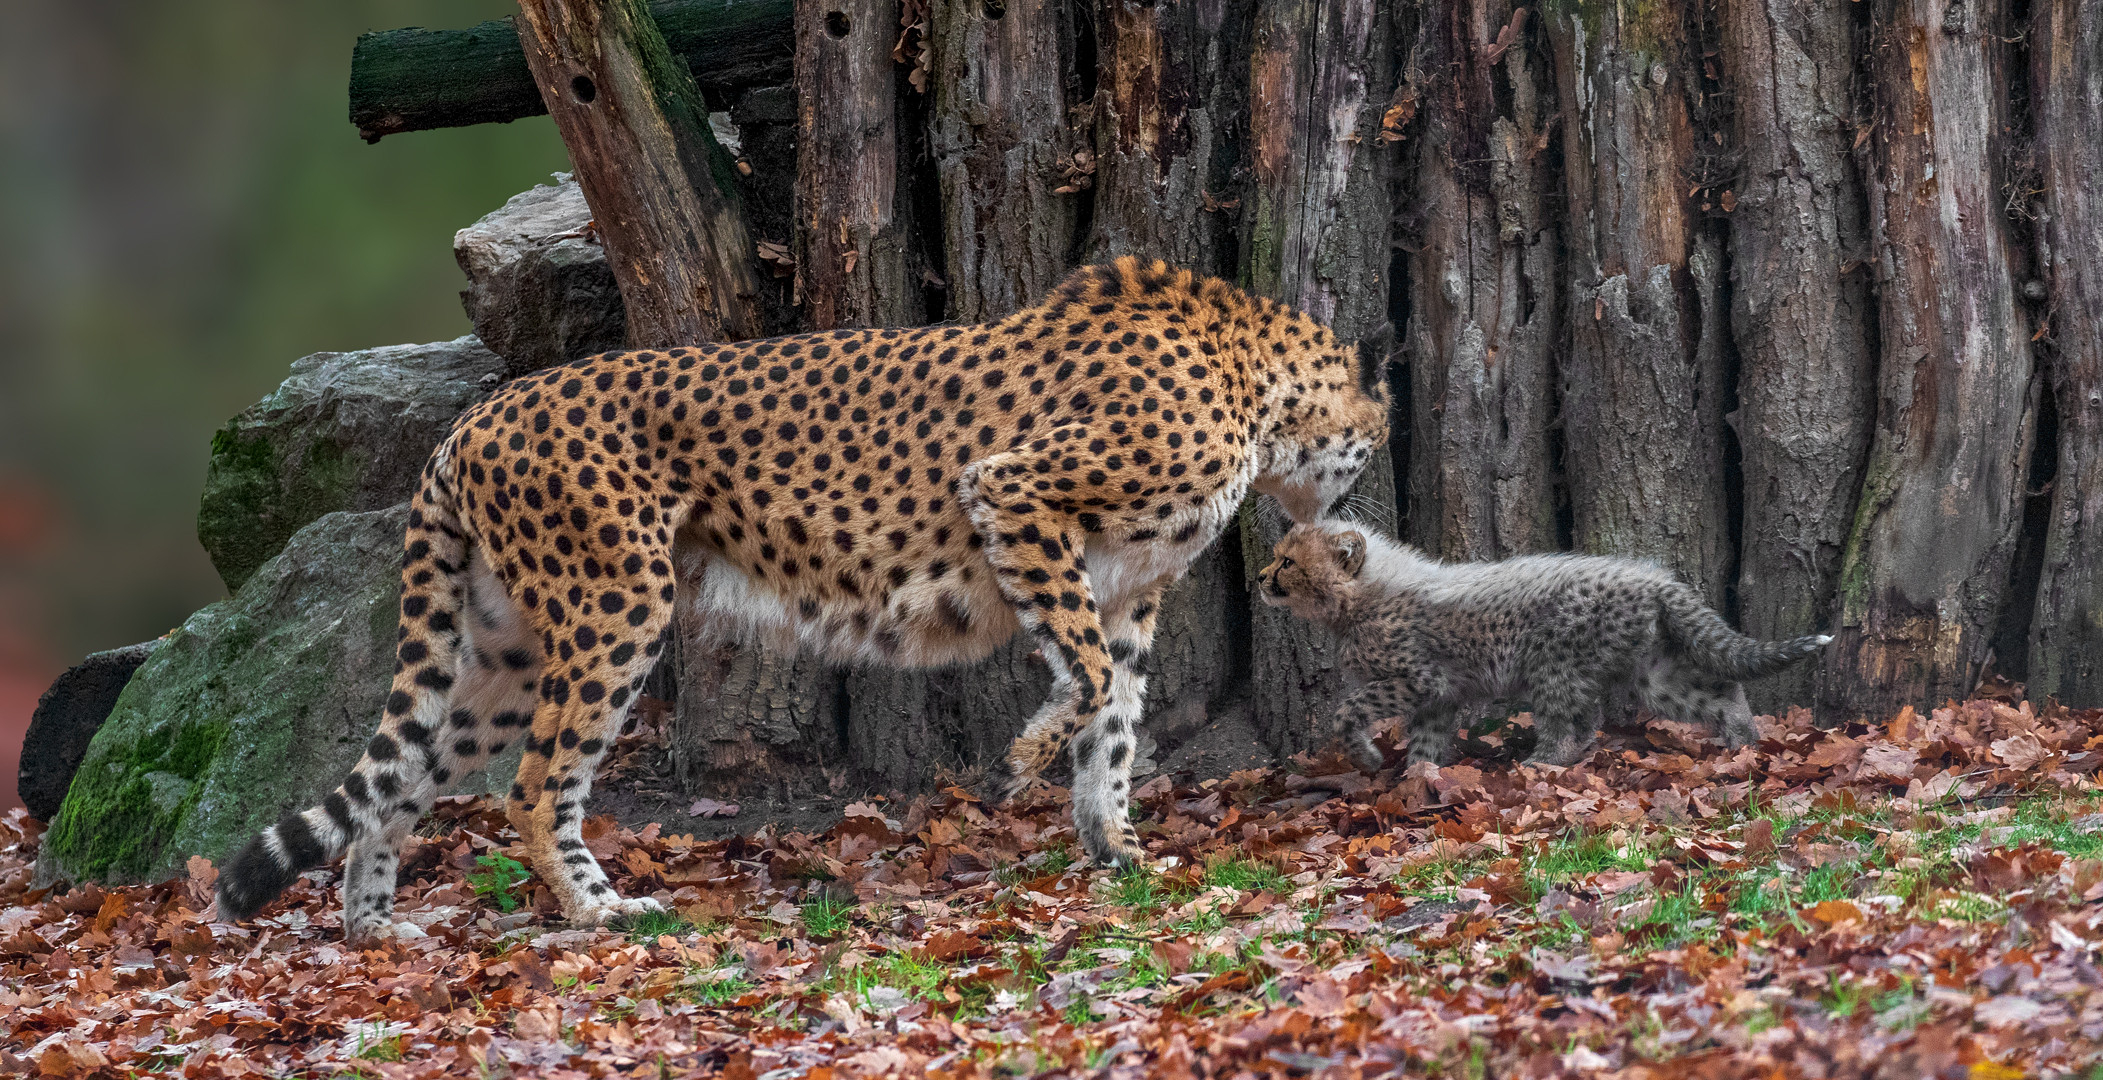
(583, 89)
(994, 9)
(837, 24)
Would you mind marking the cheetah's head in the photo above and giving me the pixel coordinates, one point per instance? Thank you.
(1331, 405)
(1313, 569)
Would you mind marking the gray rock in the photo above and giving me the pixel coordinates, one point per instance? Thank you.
(347, 431)
(257, 705)
(66, 717)
(538, 289)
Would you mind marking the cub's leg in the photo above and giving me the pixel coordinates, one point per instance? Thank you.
(1692, 696)
(1565, 710)
(1036, 556)
(599, 637)
(1368, 705)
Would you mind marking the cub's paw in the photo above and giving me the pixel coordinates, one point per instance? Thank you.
(605, 911)
(1364, 754)
(1560, 754)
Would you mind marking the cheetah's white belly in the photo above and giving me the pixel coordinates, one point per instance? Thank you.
(923, 624)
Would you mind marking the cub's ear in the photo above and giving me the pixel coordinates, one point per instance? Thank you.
(1350, 551)
(1373, 351)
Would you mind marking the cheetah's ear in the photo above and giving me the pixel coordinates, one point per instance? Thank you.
(1350, 551)
(1373, 352)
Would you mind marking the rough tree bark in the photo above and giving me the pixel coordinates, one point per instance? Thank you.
(1801, 313)
(2066, 633)
(1643, 384)
(851, 222)
(1168, 97)
(660, 188)
(1001, 144)
(1485, 289)
(1318, 212)
(1926, 565)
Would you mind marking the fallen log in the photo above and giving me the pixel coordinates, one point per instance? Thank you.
(416, 80)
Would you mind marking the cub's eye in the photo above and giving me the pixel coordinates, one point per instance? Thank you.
(1284, 564)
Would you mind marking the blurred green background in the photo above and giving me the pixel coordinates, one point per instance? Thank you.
(184, 211)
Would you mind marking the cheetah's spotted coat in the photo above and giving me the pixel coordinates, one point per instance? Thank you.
(908, 497)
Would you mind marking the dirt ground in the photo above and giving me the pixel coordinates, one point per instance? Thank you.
(640, 788)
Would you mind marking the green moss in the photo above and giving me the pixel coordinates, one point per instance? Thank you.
(255, 707)
(129, 800)
(1879, 483)
(1645, 26)
(253, 502)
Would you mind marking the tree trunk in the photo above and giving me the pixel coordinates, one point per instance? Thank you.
(1485, 308)
(1643, 386)
(2066, 633)
(749, 720)
(1168, 95)
(660, 188)
(1001, 145)
(1319, 209)
(1801, 313)
(852, 228)
(1922, 579)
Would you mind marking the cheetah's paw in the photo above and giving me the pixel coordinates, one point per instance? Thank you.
(604, 912)
(376, 933)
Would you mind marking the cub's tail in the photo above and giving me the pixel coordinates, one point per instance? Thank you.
(394, 776)
(1703, 637)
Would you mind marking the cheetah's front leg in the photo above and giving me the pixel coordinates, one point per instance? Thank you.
(1036, 556)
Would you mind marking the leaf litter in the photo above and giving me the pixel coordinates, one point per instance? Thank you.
(1922, 897)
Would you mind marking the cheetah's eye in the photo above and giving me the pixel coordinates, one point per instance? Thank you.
(1284, 564)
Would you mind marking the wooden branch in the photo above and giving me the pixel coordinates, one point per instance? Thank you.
(661, 189)
(417, 80)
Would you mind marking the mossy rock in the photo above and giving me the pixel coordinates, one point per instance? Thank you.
(259, 704)
(347, 431)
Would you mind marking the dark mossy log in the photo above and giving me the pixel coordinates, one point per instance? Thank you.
(1485, 282)
(660, 188)
(1801, 312)
(1318, 214)
(416, 79)
(1643, 384)
(1924, 578)
(2066, 634)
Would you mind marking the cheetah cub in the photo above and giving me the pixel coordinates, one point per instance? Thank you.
(1422, 639)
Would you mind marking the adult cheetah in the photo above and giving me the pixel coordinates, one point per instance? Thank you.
(908, 497)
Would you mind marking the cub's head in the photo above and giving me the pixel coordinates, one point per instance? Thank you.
(1329, 406)
(1313, 570)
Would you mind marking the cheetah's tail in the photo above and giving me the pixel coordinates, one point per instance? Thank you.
(393, 777)
(1704, 638)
